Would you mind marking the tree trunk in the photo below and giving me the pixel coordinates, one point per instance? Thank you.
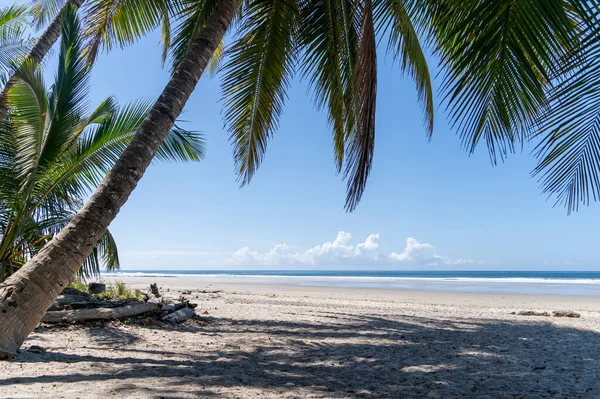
(27, 294)
(41, 47)
(73, 316)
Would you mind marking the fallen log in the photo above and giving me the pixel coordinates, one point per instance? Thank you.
(67, 300)
(566, 313)
(73, 291)
(70, 316)
(532, 313)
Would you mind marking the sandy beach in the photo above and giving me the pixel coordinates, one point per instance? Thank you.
(283, 341)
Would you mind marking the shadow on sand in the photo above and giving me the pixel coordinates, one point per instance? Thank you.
(345, 356)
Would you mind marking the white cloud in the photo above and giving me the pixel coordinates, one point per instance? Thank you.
(369, 247)
(424, 254)
(328, 251)
(341, 252)
(277, 255)
(414, 252)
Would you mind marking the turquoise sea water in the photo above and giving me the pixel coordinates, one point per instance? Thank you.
(507, 282)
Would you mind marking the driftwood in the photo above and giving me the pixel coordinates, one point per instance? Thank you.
(179, 316)
(154, 290)
(565, 313)
(70, 316)
(67, 300)
(73, 291)
(174, 307)
(532, 313)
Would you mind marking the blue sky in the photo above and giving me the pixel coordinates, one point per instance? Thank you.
(427, 205)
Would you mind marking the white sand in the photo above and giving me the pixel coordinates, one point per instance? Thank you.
(280, 341)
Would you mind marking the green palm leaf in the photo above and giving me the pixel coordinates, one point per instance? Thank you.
(569, 152)
(393, 18)
(361, 142)
(105, 254)
(68, 99)
(29, 105)
(110, 23)
(13, 41)
(256, 78)
(328, 39)
(215, 62)
(44, 11)
(500, 57)
(181, 145)
(99, 147)
(190, 18)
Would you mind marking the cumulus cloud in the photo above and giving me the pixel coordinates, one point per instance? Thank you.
(414, 251)
(277, 255)
(342, 252)
(424, 254)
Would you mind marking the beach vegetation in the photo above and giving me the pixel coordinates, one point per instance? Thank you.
(79, 284)
(120, 290)
(114, 290)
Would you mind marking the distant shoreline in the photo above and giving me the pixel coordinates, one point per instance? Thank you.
(507, 286)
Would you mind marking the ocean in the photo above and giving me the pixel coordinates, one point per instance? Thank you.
(585, 283)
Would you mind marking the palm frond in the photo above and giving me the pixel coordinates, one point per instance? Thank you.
(569, 151)
(13, 40)
(191, 17)
(68, 98)
(28, 106)
(215, 61)
(99, 147)
(393, 18)
(105, 255)
(12, 15)
(181, 145)
(328, 40)
(44, 11)
(361, 142)
(106, 109)
(110, 23)
(500, 57)
(256, 78)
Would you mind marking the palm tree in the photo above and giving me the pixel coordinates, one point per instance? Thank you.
(499, 57)
(52, 153)
(46, 40)
(13, 41)
(43, 276)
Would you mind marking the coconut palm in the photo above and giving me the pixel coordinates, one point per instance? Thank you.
(53, 151)
(499, 58)
(38, 50)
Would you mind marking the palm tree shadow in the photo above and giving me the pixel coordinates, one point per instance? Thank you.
(392, 356)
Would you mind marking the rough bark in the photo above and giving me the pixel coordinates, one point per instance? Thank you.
(73, 316)
(41, 47)
(25, 295)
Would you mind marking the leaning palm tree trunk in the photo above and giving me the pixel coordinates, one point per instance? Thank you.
(41, 47)
(26, 295)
